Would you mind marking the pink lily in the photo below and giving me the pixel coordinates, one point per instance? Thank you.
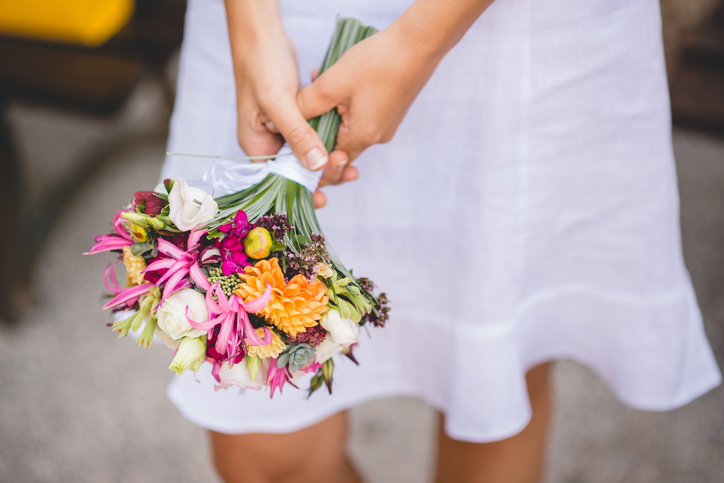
(232, 317)
(125, 297)
(113, 241)
(276, 377)
(109, 278)
(179, 265)
(128, 296)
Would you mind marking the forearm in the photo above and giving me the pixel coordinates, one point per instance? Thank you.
(251, 20)
(435, 26)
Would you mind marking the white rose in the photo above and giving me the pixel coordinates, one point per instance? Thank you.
(327, 349)
(172, 314)
(190, 207)
(344, 331)
(239, 376)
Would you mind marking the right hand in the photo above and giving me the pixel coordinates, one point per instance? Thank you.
(268, 115)
(266, 90)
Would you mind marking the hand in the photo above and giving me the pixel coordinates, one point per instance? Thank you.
(374, 83)
(266, 89)
(372, 86)
(268, 114)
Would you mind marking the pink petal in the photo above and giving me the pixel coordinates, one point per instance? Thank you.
(198, 276)
(210, 302)
(173, 270)
(109, 278)
(160, 265)
(168, 248)
(225, 333)
(206, 325)
(259, 303)
(250, 335)
(128, 294)
(109, 244)
(172, 282)
(215, 371)
(118, 221)
(223, 301)
(194, 238)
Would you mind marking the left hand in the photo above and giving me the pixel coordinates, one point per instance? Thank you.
(372, 86)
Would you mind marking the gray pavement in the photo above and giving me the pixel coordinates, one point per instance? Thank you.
(78, 406)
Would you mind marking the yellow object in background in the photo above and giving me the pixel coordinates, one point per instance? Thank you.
(88, 22)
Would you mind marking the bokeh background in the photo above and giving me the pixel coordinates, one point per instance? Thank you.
(82, 127)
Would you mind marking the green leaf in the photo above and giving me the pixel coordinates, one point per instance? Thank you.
(277, 246)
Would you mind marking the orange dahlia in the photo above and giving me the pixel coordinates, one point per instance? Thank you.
(294, 305)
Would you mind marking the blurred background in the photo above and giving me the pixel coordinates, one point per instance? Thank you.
(85, 98)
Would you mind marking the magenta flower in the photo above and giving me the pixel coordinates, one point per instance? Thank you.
(113, 241)
(231, 315)
(239, 227)
(277, 377)
(234, 262)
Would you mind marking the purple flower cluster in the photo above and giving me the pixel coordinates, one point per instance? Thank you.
(277, 225)
(379, 316)
(313, 336)
(306, 261)
(366, 284)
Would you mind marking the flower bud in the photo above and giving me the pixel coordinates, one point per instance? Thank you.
(190, 354)
(157, 223)
(139, 233)
(138, 219)
(258, 243)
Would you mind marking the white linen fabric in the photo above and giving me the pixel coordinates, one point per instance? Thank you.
(526, 211)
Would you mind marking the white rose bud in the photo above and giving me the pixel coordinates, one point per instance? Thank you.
(189, 207)
(327, 349)
(239, 375)
(190, 354)
(172, 314)
(344, 331)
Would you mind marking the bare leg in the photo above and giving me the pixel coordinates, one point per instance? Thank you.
(518, 459)
(313, 454)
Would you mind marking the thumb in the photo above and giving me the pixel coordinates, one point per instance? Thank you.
(320, 96)
(305, 143)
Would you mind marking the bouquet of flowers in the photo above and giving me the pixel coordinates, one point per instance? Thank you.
(245, 281)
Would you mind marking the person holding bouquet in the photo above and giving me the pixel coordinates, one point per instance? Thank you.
(523, 209)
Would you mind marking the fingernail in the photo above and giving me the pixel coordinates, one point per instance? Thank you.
(340, 166)
(315, 158)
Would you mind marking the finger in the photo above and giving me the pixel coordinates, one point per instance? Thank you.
(350, 173)
(321, 96)
(349, 143)
(255, 139)
(320, 199)
(315, 74)
(271, 127)
(335, 167)
(302, 139)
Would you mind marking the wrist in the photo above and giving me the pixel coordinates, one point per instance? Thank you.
(435, 26)
(251, 21)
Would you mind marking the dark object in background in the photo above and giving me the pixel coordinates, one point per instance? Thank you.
(697, 89)
(95, 81)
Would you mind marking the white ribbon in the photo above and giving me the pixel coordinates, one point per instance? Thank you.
(230, 177)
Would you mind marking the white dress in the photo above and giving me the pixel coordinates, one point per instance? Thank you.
(526, 211)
